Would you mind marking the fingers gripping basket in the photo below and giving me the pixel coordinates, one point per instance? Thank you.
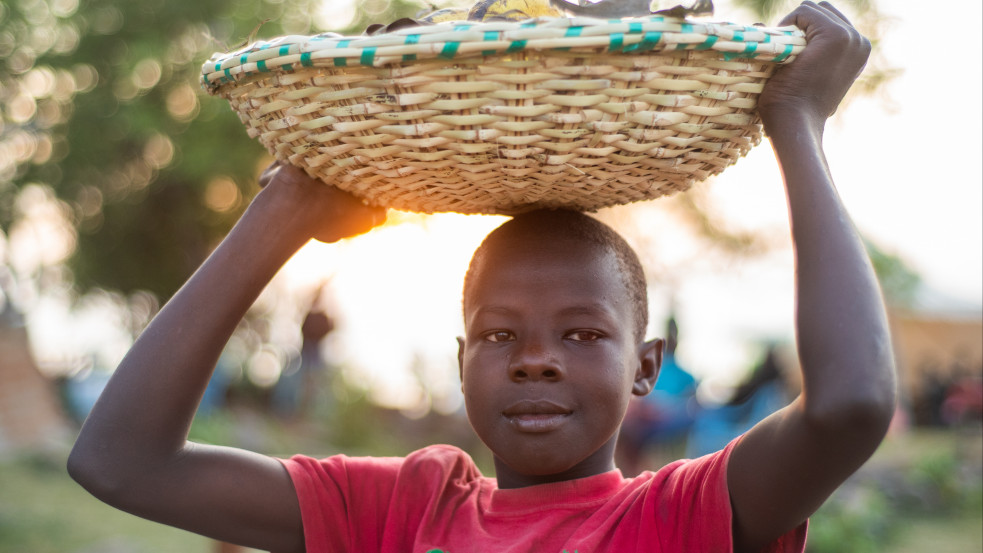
(502, 117)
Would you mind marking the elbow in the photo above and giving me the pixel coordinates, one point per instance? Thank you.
(95, 472)
(865, 412)
(857, 395)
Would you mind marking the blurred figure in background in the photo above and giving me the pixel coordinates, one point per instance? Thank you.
(293, 393)
(659, 422)
(762, 393)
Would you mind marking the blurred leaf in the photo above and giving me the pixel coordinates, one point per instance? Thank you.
(135, 144)
(898, 280)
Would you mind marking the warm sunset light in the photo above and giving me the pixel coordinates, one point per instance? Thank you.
(396, 295)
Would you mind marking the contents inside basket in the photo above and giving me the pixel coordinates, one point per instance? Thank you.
(519, 10)
(503, 116)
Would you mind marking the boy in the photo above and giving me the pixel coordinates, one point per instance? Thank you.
(552, 352)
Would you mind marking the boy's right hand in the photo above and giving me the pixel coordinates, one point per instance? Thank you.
(311, 207)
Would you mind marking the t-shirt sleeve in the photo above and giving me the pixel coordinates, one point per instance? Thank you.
(343, 500)
(694, 511)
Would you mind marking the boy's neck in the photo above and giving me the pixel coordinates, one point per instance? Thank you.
(600, 462)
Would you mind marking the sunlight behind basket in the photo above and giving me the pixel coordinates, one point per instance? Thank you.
(502, 117)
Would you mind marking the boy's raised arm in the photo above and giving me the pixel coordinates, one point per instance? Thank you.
(786, 466)
(133, 451)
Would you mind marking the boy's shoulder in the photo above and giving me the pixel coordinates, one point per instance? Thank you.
(434, 461)
(447, 460)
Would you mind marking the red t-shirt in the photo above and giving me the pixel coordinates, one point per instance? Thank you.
(436, 501)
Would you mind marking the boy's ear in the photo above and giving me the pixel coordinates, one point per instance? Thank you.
(649, 363)
(460, 358)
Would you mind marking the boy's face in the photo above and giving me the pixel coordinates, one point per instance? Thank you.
(549, 361)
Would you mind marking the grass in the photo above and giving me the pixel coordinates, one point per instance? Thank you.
(963, 534)
(922, 491)
(43, 511)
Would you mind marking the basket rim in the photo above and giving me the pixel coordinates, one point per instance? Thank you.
(542, 35)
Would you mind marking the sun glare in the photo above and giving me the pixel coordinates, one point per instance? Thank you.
(395, 293)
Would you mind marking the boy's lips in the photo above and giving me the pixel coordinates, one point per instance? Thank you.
(536, 415)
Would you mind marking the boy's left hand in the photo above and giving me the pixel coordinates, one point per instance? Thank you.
(818, 79)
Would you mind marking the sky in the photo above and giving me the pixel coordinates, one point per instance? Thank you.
(907, 164)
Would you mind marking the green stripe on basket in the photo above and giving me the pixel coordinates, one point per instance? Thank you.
(570, 32)
(489, 36)
(368, 56)
(617, 42)
(341, 62)
(749, 51)
(649, 41)
(449, 50)
(283, 51)
(684, 28)
(261, 65)
(634, 28)
(784, 55)
(411, 39)
(305, 59)
(738, 36)
(708, 43)
(516, 46)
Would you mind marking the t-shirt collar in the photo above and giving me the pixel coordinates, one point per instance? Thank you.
(571, 494)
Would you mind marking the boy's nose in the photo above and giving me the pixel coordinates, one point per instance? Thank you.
(533, 361)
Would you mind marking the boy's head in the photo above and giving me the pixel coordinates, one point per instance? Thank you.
(555, 315)
(553, 226)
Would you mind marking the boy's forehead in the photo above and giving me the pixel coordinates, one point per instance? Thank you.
(577, 259)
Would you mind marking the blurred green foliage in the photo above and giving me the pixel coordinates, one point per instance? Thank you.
(917, 484)
(899, 282)
(859, 523)
(101, 102)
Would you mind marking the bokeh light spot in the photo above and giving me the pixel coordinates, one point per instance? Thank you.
(221, 194)
(182, 103)
(159, 151)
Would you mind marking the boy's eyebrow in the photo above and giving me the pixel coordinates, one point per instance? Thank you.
(584, 309)
(493, 309)
(593, 309)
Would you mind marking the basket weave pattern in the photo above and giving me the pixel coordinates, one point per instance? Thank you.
(504, 117)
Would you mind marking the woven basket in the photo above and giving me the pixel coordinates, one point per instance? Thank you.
(503, 117)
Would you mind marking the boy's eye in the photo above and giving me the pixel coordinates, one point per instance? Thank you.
(499, 336)
(583, 335)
